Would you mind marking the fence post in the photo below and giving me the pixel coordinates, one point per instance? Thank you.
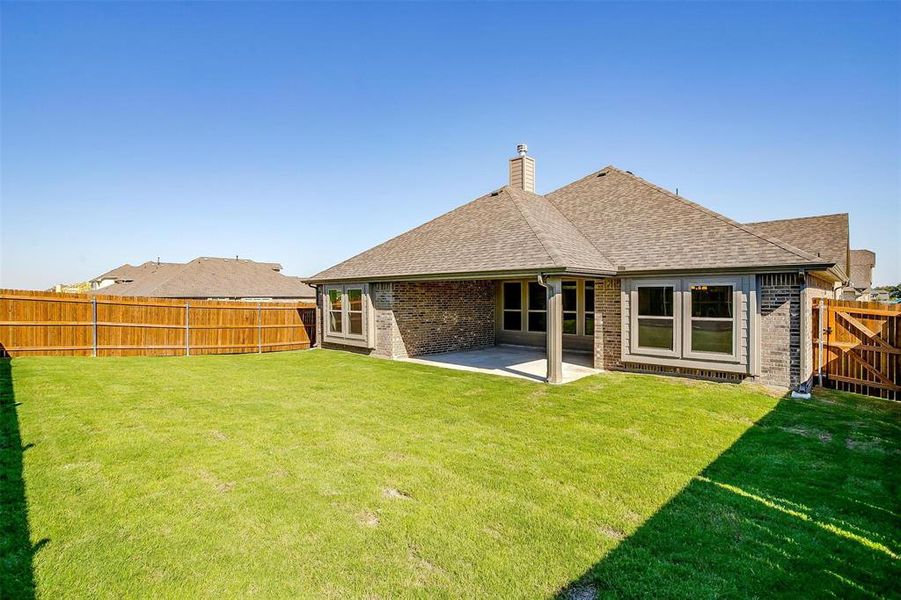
(94, 326)
(820, 342)
(187, 329)
(259, 328)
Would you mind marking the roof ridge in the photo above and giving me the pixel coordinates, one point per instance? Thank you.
(405, 232)
(168, 278)
(776, 242)
(556, 255)
(576, 227)
(841, 214)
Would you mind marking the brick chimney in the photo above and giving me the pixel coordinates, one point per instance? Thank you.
(522, 170)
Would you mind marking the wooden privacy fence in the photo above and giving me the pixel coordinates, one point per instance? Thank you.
(48, 323)
(857, 347)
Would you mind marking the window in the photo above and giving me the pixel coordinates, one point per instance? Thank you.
(512, 306)
(570, 306)
(656, 321)
(346, 313)
(355, 311)
(335, 312)
(694, 322)
(712, 319)
(588, 328)
(537, 317)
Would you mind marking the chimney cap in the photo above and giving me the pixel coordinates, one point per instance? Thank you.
(522, 149)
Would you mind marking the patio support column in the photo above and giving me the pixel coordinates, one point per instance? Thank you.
(554, 287)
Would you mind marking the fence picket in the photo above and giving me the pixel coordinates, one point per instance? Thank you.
(48, 323)
(859, 349)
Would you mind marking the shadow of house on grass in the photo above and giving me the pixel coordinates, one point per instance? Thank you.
(16, 551)
(804, 504)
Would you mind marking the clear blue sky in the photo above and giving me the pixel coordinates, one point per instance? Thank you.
(305, 133)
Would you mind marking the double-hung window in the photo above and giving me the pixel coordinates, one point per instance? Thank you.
(656, 318)
(588, 328)
(354, 311)
(346, 313)
(710, 319)
(512, 306)
(570, 307)
(537, 307)
(335, 299)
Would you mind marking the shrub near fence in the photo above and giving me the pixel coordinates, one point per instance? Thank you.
(51, 324)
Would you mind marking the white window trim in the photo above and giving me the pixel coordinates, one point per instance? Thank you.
(736, 284)
(676, 350)
(366, 337)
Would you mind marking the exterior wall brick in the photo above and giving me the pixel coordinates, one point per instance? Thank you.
(443, 316)
(780, 328)
(815, 288)
(608, 324)
(428, 317)
(709, 374)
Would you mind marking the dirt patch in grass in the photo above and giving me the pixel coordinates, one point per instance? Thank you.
(865, 445)
(809, 432)
(612, 532)
(396, 494)
(368, 518)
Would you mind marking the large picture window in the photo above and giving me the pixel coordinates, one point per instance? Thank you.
(712, 319)
(537, 317)
(512, 306)
(656, 319)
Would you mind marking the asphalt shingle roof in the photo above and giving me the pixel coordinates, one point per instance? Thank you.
(206, 277)
(506, 230)
(606, 222)
(825, 236)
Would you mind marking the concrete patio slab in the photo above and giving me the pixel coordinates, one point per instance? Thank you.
(510, 361)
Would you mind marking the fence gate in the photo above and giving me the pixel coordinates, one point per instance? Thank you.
(858, 347)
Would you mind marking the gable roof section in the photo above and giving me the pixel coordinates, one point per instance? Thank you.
(823, 235)
(642, 227)
(508, 230)
(207, 277)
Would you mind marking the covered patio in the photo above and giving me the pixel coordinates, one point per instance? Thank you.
(511, 361)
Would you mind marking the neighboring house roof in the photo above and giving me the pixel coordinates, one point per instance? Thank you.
(205, 277)
(824, 235)
(608, 222)
(862, 263)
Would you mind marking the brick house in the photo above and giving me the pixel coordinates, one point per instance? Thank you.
(611, 265)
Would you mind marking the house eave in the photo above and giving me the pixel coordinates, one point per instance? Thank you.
(504, 274)
(802, 267)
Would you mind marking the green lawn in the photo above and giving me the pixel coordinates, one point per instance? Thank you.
(327, 474)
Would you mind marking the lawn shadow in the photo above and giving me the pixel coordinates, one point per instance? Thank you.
(804, 504)
(16, 551)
